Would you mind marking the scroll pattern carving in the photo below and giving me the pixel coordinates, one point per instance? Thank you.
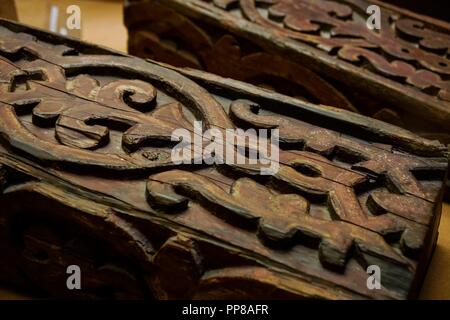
(177, 40)
(402, 49)
(353, 201)
(398, 74)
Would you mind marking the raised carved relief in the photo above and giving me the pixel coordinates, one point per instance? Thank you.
(406, 56)
(89, 132)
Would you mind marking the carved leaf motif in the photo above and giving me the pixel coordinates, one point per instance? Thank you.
(280, 219)
(421, 79)
(397, 167)
(337, 203)
(83, 111)
(429, 39)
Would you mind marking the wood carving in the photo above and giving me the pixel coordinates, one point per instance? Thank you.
(87, 178)
(320, 51)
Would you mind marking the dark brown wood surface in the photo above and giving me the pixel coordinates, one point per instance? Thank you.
(86, 178)
(320, 51)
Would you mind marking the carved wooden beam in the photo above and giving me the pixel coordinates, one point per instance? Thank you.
(87, 179)
(320, 51)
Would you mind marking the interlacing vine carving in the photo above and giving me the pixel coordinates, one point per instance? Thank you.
(55, 106)
(403, 48)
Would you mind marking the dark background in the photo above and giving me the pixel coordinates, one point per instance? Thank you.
(439, 9)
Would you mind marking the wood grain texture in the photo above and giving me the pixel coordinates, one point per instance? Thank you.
(85, 140)
(320, 51)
